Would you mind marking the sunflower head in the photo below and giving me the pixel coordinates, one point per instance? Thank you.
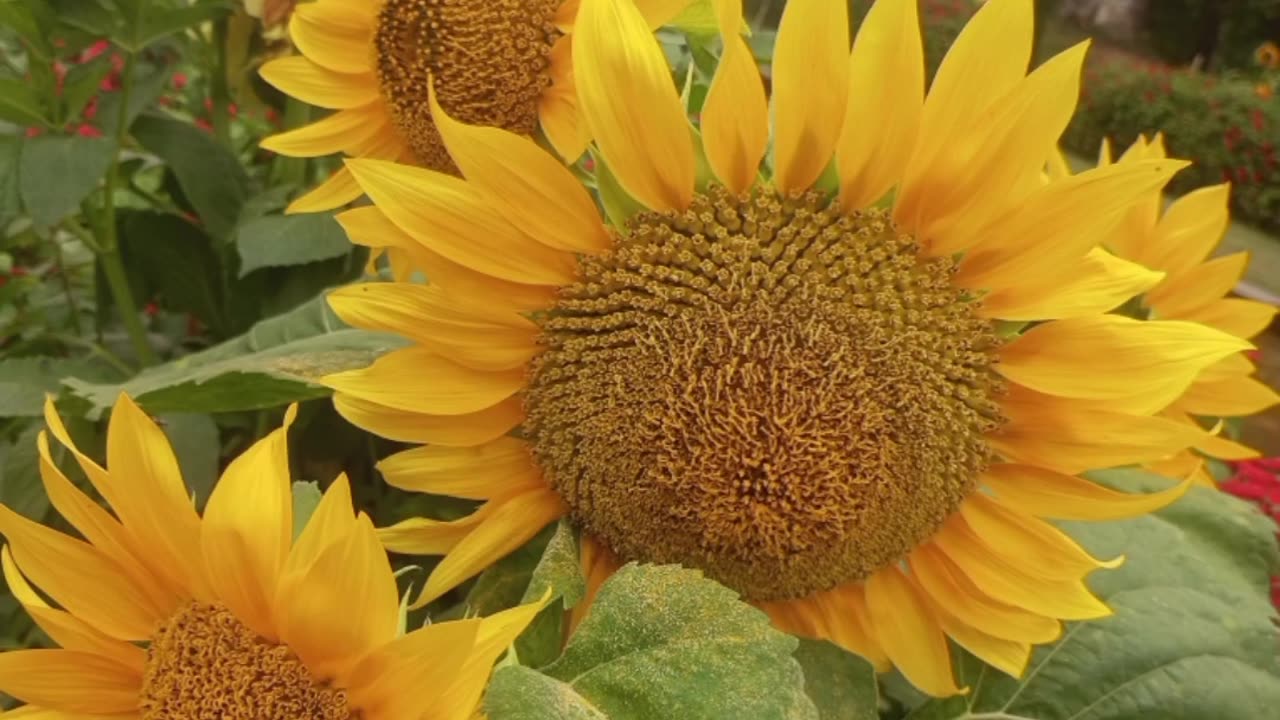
(846, 368)
(166, 615)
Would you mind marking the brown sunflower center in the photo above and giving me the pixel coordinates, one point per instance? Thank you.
(764, 388)
(204, 664)
(489, 59)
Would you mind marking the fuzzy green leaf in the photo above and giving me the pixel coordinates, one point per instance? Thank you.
(20, 486)
(841, 684)
(285, 240)
(210, 175)
(56, 173)
(661, 642)
(197, 444)
(306, 498)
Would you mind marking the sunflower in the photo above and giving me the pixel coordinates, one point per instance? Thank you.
(169, 616)
(1178, 243)
(1268, 55)
(373, 61)
(849, 391)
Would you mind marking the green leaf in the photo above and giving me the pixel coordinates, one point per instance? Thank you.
(10, 157)
(276, 362)
(162, 24)
(176, 261)
(618, 205)
(661, 642)
(841, 684)
(210, 176)
(19, 104)
(505, 583)
(196, 443)
(25, 380)
(18, 17)
(306, 498)
(1192, 636)
(559, 571)
(285, 240)
(20, 485)
(56, 173)
(81, 84)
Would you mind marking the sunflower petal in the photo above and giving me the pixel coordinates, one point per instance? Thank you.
(332, 134)
(1007, 656)
(558, 111)
(388, 683)
(630, 104)
(504, 466)
(1096, 283)
(424, 536)
(1199, 286)
(1190, 229)
(337, 36)
(331, 522)
(417, 380)
(885, 100)
(315, 85)
(465, 430)
(908, 630)
(1228, 398)
(735, 115)
(849, 623)
(1027, 541)
(338, 190)
(248, 527)
(70, 681)
(810, 82)
(1046, 493)
(1242, 318)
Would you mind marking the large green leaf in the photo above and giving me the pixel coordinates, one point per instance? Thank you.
(285, 240)
(25, 380)
(1192, 638)
(20, 486)
(841, 684)
(661, 642)
(56, 173)
(19, 103)
(196, 443)
(278, 361)
(176, 261)
(211, 177)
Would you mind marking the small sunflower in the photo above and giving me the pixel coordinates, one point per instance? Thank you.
(165, 615)
(1178, 241)
(505, 63)
(1268, 55)
(852, 411)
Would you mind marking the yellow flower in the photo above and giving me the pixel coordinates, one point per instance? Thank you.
(165, 615)
(1268, 55)
(506, 63)
(1178, 241)
(819, 402)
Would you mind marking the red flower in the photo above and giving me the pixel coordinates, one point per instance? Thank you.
(1243, 175)
(179, 81)
(34, 132)
(87, 130)
(1259, 120)
(94, 50)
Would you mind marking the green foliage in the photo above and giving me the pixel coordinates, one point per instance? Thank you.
(55, 174)
(286, 240)
(841, 685)
(661, 642)
(1227, 31)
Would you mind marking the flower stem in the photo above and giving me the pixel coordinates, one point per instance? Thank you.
(221, 94)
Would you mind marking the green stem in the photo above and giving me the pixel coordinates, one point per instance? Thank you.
(113, 268)
(292, 170)
(65, 276)
(221, 94)
(95, 349)
(86, 237)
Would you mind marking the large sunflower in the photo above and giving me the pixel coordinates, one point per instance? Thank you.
(1178, 241)
(506, 63)
(830, 406)
(169, 616)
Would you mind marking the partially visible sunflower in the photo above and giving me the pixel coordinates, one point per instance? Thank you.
(169, 616)
(505, 63)
(1268, 55)
(839, 410)
(1178, 242)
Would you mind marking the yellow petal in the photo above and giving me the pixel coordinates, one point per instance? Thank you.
(955, 594)
(810, 83)
(70, 681)
(848, 622)
(657, 13)
(505, 465)
(532, 188)
(468, 334)
(154, 503)
(1199, 286)
(332, 134)
(370, 227)
(885, 100)
(451, 430)
(497, 632)
(735, 115)
(1096, 283)
(331, 522)
(98, 476)
(1137, 366)
(1058, 223)
(513, 521)
(424, 536)
(343, 607)
(65, 629)
(1028, 542)
(1228, 398)
(1072, 436)
(1216, 446)
(303, 79)
(1007, 656)
(338, 36)
(81, 579)
(390, 682)
(985, 62)
(598, 564)
(1190, 229)
(338, 190)
(1242, 318)
(1005, 582)
(630, 104)
(417, 380)
(448, 215)
(558, 105)
(1043, 492)
(248, 525)
(908, 630)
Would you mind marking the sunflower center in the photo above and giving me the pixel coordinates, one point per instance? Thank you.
(765, 388)
(489, 59)
(204, 664)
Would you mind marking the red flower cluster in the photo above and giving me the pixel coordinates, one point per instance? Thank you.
(1258, 481)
